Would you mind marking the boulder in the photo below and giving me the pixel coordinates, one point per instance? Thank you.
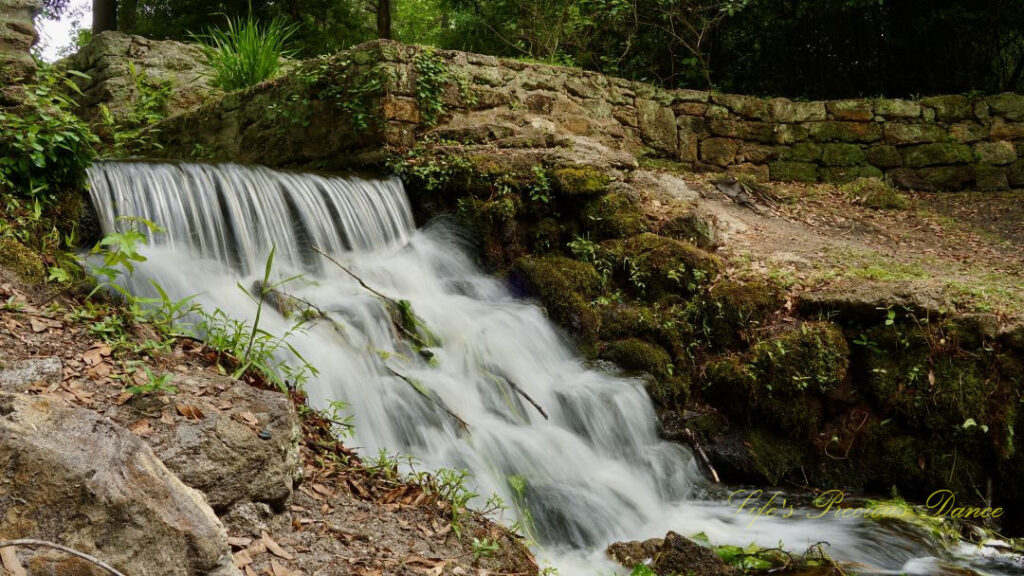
(21, 375)
(74, 477)
(243, 447)
(673, 554)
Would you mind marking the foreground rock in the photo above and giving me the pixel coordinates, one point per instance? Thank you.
(235, 443)
(73, 477)
(673, 554)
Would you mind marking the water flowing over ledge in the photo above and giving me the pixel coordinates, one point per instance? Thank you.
(590, 473)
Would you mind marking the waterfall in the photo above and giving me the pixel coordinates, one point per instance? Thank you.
(592, 472)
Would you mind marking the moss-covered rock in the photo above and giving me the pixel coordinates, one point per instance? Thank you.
(691, 227)
(733, 310)
(21, 260)
(655, 266)
(614, 215)
(668, 389)
(784, 378)
(564, 287)
(875, 193)
(580, 180)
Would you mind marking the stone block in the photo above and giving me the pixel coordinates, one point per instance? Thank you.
(901, 133)
(793, 171)
(855, 110)
(719, 151)
(995, 153)
(785, 110)
(845, 131)
(937, 154)
(893, 108)
(842, 154)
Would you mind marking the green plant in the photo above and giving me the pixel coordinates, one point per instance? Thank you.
(133, 129)
(431, 77)
(245, 52)
(642, 570)
(484, 548)
(154, 384)
(120, 251)
(44, 147)
(540, 189)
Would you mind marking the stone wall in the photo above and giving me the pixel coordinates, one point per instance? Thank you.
(316, 113)
(109, 61)
(17, 35)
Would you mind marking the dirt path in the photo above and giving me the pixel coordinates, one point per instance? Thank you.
(965, 251)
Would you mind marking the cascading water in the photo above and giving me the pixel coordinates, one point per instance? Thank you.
(591, 473)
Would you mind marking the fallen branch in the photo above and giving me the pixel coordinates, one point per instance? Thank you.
(437, 401)
(27, 543)
(692, 439)
(519, 391)
(395, 307)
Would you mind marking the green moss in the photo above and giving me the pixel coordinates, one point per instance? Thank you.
(875, 193)
(564, 287)
(15, 257)
(614, 215)
(668, 389)
(783, 379)
(774, 458)
(691, 227)
(734, 309)
(580, 180)
(655, 266)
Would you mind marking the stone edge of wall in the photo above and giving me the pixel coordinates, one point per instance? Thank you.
(938, 143)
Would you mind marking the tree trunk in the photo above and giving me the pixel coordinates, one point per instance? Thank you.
(384, 19)
(104, 15)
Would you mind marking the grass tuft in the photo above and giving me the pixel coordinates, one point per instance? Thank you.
(245, 52)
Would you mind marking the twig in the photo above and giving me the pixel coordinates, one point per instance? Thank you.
(44, 544)
(703, 455)
(394, 304)
(520, 391)
(437, 401)
(350, 273)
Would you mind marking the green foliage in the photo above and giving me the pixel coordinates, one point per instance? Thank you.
(155, 384)
(241, 348)
(484, 548)
(44, 147)
(347, 86)
(431, 77)
(134, 129)
(245, 52)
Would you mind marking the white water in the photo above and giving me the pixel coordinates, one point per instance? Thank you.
(595, 472)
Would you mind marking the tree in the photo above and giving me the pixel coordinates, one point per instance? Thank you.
(383, 10)
(104, 15)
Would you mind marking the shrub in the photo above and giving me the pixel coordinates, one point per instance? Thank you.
(245, 52)
(875, 193)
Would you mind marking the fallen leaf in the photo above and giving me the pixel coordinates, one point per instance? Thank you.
(278, 569)
(239, 541)
(124, 397)
(242, 559)
(142, 427)
(38, 325)
(275, 548)
(189, 412)
(95, 355)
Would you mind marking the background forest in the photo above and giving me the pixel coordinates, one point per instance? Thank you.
(801, 49)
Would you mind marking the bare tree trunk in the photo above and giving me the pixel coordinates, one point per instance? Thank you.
(384, 19)
(104, 15)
